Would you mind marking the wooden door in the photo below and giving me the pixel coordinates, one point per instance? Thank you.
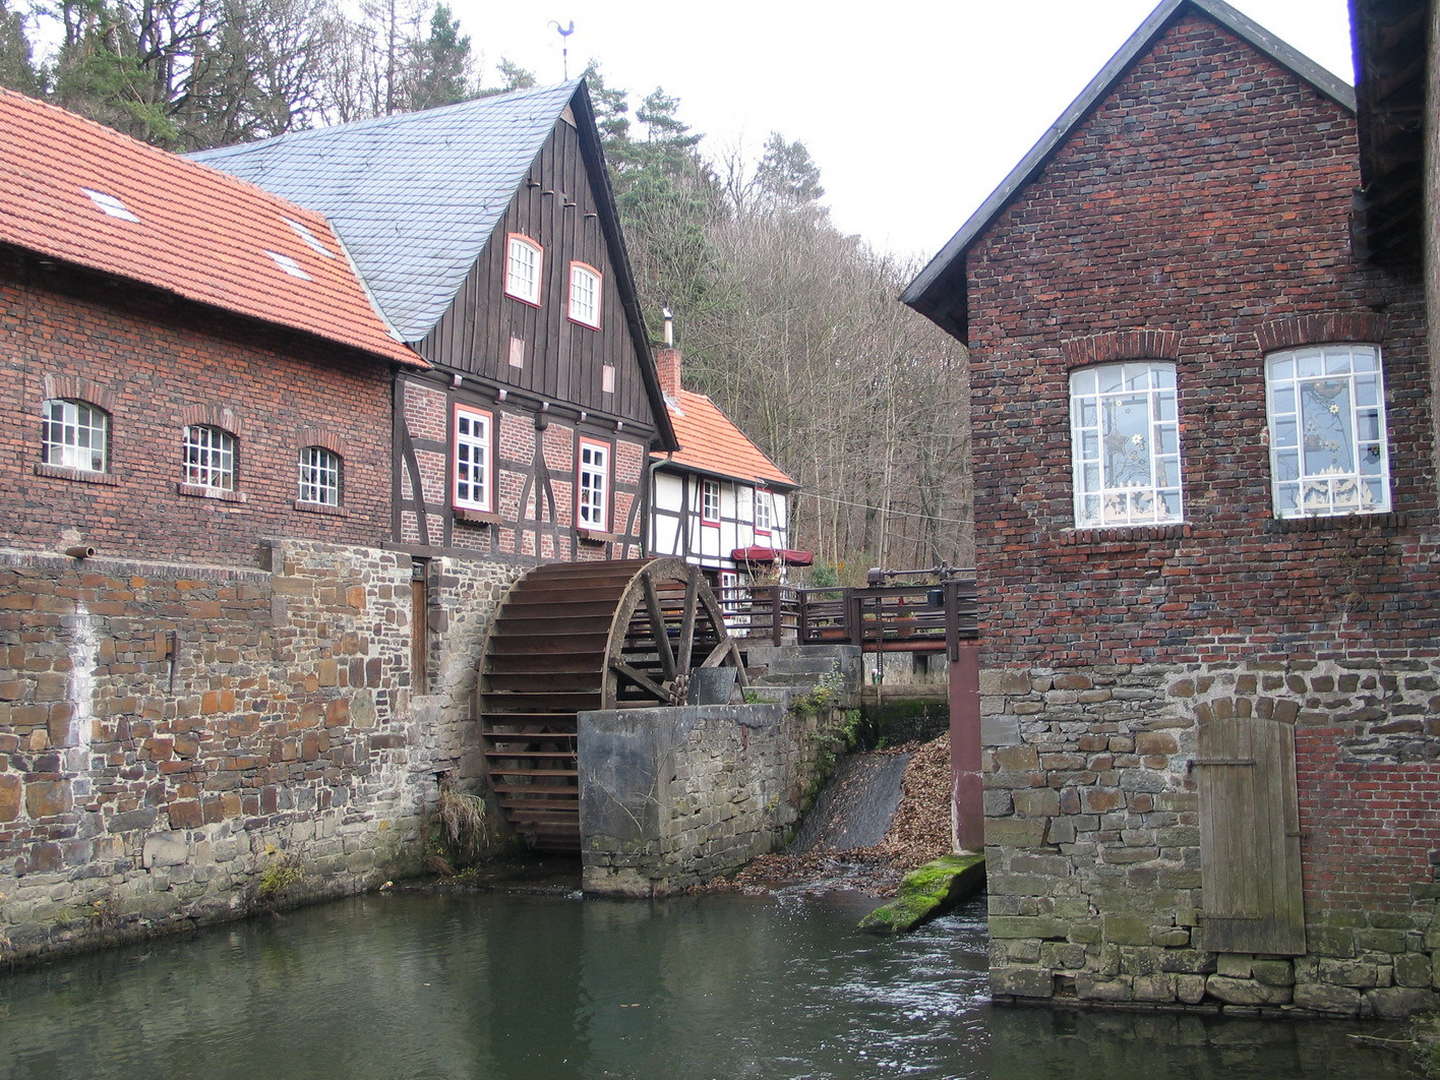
(1249, 837)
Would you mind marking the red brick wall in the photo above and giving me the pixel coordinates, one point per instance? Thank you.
(162, 365)
(1205, 198)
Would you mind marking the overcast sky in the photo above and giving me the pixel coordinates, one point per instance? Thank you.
(914, 110)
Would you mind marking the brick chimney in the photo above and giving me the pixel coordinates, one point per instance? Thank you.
(667, 359)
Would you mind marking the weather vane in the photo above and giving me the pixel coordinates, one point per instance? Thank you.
(564, 32)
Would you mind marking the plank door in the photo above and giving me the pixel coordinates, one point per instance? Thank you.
(1250, 837)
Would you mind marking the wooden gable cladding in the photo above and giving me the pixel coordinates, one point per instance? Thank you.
(1249, 833)
(533, 477)
(557, 359)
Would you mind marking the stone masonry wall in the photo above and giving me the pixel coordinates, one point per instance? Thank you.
(1093, 834)
(179, 744)
(673, 797)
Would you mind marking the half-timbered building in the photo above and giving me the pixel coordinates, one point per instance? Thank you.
(487, 234)
(718, 501)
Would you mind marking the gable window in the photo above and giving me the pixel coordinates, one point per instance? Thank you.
(762, 510)
(1125, 444)
(594, 485)
(472, 459)
(710, 502)
(209, 460)
(75, 435)
(524, 260)
(319, 476)
(585, 295)
(1328, 456)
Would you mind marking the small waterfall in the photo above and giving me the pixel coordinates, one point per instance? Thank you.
(857, 805)
(84, 658)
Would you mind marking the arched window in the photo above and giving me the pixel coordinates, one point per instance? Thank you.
(1328, 452)
(1125, 444)
(319, 476)
(524, 261)
(75, 435)
(209, 460)
(585, 295)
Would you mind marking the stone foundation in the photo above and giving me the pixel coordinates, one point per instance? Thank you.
(179, 744)
(1093, 835)
(670, 798)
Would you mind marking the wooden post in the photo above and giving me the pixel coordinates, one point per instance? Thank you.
(855, 614)
(966, 785)
(802, 630)
(776, 620)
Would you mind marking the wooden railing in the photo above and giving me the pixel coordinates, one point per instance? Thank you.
(890, 618)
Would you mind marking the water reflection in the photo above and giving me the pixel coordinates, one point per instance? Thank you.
(495, 986)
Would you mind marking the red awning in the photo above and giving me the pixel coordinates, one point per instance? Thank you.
(789, 556)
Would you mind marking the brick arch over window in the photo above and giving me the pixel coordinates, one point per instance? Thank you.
(211, 416)
(79, 388)
(316, 436)
(1121, 345)
(1321, 328)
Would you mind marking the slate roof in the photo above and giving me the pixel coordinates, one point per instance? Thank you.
(938, 291)
(414, 196)
(710, 442)
(177, 226)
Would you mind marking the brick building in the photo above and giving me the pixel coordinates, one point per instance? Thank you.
(1206, 531)
(190, 364)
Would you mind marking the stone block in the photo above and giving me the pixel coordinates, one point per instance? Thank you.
(164, 849)
(1390, 941)
(1091, 987)
(1022, 982)
(1102, 800)
(1190, 988)
(1016, 758)
(1234, 965)
(1330, 940)
(1154, 987)
(185, 815)
(1273, 972)
(1187, 961)
(10, 797)
(46, 798)
(1000, 681)
(1413, 969)
(1126, 930)
(1246, 991)
(1356, 973)
(1037, 802)
(1014, 832)
(1319, 997)
(1398, 1002)
(1027, 926)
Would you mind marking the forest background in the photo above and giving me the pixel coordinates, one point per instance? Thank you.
(791, 326)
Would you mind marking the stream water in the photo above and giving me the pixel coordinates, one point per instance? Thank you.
(538, 987)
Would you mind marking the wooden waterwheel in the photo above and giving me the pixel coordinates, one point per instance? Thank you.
(571, 637)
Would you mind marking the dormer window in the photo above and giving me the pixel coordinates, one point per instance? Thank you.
(585, 295)
(524, 261)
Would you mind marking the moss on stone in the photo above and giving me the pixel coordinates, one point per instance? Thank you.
(928, 892)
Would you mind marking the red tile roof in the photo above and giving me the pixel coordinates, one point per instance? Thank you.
(201, 234)
(710, 441)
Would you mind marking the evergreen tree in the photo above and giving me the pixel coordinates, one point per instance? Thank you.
(440, 65)
(787, 175)
(17, 65)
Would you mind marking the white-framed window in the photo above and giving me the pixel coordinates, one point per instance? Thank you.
(319, 476)
(209, 458)
(1125, 444)
(524, 260)
(75, 435)
(471, 434)
(585, 295)
(710, 502)
(763, 517)
(594, 485)
(1328, 452)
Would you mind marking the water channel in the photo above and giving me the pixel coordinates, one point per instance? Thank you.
(542, 987)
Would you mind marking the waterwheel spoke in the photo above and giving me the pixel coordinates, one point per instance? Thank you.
(640, 679)
(718, 653)
(657, 625)
(687, 628)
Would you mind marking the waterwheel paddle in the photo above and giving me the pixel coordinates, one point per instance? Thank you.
(571, 637)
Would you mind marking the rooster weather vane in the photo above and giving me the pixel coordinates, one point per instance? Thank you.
(564, 32)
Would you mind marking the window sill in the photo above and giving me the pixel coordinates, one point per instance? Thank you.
(1124, 534)
(1387, 522)
(707, 524)
(218, 494)
(475, 517)
(595, 536)
(524, 300)
(582, 322)
(320, 508)
(67, 472)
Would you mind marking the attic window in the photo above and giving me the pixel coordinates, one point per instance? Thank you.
(524, 260)
(110, 205)
(289, 265)
(311, 240)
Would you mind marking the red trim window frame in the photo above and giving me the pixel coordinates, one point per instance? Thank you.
(599, 278)
(705, 487)
(486, 443)
(764, 498)
(607, 475)
(511, 239)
